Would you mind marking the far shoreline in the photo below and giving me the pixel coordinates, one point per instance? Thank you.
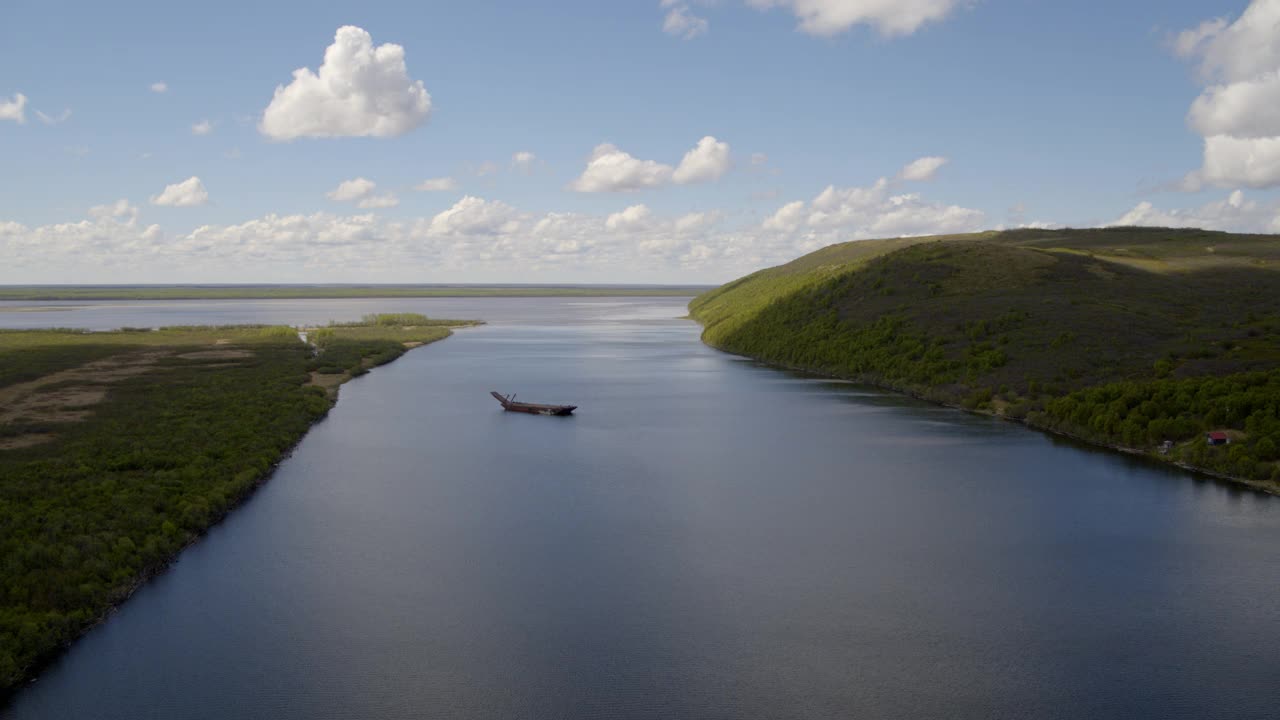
(57, 293)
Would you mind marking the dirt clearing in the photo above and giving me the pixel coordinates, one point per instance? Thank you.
(31, 402)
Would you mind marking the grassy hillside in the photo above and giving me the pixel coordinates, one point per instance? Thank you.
(1125, 336)
(118, 449)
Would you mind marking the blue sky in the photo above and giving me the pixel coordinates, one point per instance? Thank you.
(1054, 113)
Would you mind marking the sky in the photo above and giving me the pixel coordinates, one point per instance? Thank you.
(628, 141)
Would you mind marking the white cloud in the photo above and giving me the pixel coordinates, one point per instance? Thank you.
(487, 168)
(352, 189)
(759, 158)
(888, 17)
(359, 90)
(696, 221)
(1188, 42)
(188, 193)
(476, 240)
(1237, 50)
(788, 218)
(612, 170)
(1252, 162)
(204, 127)
(1249, 108)
(472, 215)
(159, 87)
(14, 109)
(523, 162)
(1235, 213)
(437, 184)
(111, 237)
(54, 119)
(1238, 112)
(360, 190)
(118, 209)
(922, 169)
(633, 218)
(871, 211)
(707, 161)
(680, 22)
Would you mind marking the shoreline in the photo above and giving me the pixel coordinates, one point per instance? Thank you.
(1260, 486)
(37, 669)
(134, 293)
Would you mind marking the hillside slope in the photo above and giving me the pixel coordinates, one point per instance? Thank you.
(1127, 337)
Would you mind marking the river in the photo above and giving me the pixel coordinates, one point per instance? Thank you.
(706, 538)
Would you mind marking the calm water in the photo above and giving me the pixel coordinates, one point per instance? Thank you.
(707, 538)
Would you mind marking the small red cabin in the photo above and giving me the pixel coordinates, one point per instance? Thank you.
(1218, 437)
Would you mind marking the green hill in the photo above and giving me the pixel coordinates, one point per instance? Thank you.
(1128, 337)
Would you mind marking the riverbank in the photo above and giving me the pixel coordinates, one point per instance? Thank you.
(1264, 486)
(121, 449)
(1070, 332)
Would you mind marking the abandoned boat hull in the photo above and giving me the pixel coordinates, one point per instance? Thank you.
(510, 405)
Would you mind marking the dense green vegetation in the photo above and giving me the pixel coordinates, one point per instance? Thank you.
(257, 292)
(1126, 336)
(118, 449)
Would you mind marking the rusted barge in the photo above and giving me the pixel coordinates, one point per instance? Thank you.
(510, 405)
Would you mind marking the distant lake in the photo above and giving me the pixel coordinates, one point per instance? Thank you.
(706, 538)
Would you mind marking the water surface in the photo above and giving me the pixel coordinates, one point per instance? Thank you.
(706, 538)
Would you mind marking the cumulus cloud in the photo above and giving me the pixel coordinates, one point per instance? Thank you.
(871, 211)
(788, 218)
(681, 22)
(188, 193)
(633, 218)
(14, 109)
(352, 189)
(359, 91)
(612, 170)
(204, 127)
(888, 17)
(1238, 112)
(1252, 162)
(360, 191)
(922, 169)
(696, 221)
(759, 158)
(472, 215)
(523, 162)
(110, 236)
(1235, 213)
(440, 184)
(120, 209)
(159, 87)
(1188, 42)
(475, 240)
(707, 161)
